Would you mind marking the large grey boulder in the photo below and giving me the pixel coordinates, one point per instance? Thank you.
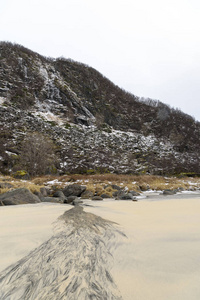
(74, 190)
(18, 196)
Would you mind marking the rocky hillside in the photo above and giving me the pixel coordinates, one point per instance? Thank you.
(94, 125)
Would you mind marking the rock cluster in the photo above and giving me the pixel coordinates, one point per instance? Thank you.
(72, 194)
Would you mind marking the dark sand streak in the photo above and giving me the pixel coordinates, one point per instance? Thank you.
(73, 264)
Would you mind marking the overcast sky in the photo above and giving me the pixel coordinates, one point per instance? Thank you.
(150, 48)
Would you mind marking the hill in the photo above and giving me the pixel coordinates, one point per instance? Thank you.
(92, 125)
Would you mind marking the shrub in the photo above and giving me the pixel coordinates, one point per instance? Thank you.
(37, 155)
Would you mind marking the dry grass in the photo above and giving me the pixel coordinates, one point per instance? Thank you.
(43, 179)
(91, 187)
(4, 190)
(16, 183)
(30, 186)
(96, 183)
(137, 183)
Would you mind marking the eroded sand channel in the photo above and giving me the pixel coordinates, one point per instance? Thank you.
(74, 263)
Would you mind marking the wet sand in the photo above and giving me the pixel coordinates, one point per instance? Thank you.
(150, 251)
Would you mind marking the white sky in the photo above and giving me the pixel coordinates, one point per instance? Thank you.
(150, 48)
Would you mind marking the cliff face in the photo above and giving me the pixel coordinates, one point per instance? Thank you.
(93, 123)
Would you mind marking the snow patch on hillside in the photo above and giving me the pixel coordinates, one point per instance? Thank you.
(2, 100)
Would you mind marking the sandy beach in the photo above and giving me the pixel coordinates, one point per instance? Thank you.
(160, 259)
(151, 253)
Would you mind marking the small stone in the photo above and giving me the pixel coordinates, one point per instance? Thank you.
(97, 198)
(52, 199)
(134, 199)
(134, 193)
(169, 192)
(104, 196)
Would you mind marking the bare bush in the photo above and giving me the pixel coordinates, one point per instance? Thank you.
(37, 154)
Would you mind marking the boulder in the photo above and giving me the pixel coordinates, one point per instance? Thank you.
(169, 192)
(104, 196)
(70, 199)
(116, 187)
(115, 194)
(97, 198)
(22, 174)
(18, 196)
(38, 194)
(59, 194)
(45, 191)
(125, 196)
(181, 189)
(118, 193)
(74, 190)
(87, 194)
(77, 202)
(134, 193)
(8, 202)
